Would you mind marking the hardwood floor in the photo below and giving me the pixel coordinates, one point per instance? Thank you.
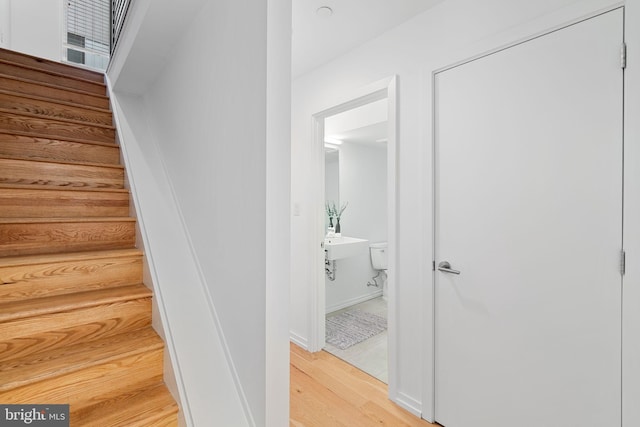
(326, 392)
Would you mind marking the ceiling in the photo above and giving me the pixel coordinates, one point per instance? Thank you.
(375, 134)
(364, 124)
(318, 38)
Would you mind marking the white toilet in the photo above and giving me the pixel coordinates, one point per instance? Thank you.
(378, 253)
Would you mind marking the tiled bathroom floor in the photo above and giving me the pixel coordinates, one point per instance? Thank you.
(370, 355)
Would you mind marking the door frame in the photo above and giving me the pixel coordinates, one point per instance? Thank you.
(631, 239)
(385, 88)
(630, 322)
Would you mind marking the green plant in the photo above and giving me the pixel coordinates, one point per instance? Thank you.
(337, 213)
(331, 209)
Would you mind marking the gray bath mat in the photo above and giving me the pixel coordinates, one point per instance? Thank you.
(351, 327)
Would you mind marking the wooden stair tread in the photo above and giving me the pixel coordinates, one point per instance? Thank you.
(4, 91)
(52, 108)
(53, 201)
(19, 187)
(56, 118)
(63, 162)
(36, 173)
(70, 256)
(41, 366)
(93, 384)
(145, 407)
(57, 161)
(59, 303)
(51, 72)
(28, 336)
(27, 236)
(47, 137)
(53, 86)
(64, 220)
(16, 84)
(46, 127)
(36, 75)
(32, 147)
(38, 276)
(66, 69)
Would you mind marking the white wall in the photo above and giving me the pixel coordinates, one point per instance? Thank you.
(363, 175)
(5, 24)
(211, 127)
(363, 184)
(217, 106)
(196, 349)
(332, 178)
(359, 117)
(452, 31)
(278, 222)
(36, 27)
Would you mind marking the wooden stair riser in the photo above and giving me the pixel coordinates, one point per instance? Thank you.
(94, 384)
(29, 147)
(55, 129)
(29, 336)
(31, 308)
(52, 237)
(17, 70)
(21, 104)
(51, 66)
(39, 367)
(41, 173)
(58, 277)
(27, 203)
(26, 87)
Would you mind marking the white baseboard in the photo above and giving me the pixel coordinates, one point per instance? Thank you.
(352, 301)
(409, 403)
(298, 340)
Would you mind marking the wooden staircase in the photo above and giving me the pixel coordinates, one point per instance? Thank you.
(75, 318)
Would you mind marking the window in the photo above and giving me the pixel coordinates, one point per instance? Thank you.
(88, 32)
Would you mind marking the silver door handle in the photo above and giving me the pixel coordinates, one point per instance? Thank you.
(445, 267)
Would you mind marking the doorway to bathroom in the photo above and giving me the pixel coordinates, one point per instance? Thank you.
(352, 313)
(355, 151)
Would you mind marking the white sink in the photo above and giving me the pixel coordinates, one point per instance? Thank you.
(343, 247)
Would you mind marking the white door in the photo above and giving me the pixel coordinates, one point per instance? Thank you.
(529, 209)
